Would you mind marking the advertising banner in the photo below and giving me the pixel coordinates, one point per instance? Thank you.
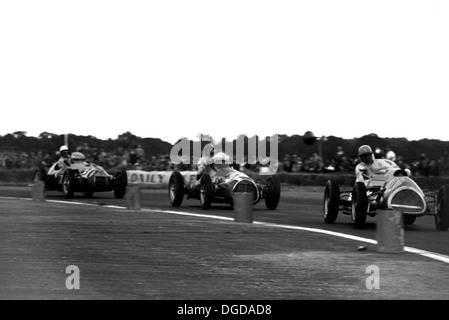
(156, 178)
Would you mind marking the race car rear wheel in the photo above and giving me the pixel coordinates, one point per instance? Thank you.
(359, 205)
(206, 191)
(68, 184)
(273, 195)
(121, 182)
(331, 201)
(176, 189)
(442, 212)
(39, 175)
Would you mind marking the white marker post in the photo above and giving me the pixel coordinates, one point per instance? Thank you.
(38, 191)
(243, 207)
(389, 231)
(133, 198)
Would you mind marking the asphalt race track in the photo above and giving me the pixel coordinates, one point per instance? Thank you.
(298, 207)
(276, 257)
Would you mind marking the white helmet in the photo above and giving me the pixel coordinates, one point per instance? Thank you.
(63, 148)
(221, 157)
(78, 156)
(365, 150)
(366, 154)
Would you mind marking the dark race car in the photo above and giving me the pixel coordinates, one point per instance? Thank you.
(391, 188)
(81, 176)
(221, 186)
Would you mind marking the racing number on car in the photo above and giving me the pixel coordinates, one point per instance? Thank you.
(373, 281)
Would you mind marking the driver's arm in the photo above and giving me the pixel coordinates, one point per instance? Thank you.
(203, 164)
(362, 173)
(61, 163)
(201, 167)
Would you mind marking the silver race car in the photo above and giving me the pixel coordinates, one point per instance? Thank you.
(391, 188)
(79, 175)
(220, 186)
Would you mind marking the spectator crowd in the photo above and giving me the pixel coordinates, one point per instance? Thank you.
(136, 158)
(340, 162)
(129, 158)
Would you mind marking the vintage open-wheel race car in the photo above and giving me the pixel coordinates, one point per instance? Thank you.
(81, 176)
(391, 188)
(221, 187)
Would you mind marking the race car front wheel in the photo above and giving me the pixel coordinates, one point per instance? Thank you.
(206, 191)
(121, 182)
(442, 214)
(68, 184)
(331, 201)
(359, 205)
(176, 189)
(273, 195)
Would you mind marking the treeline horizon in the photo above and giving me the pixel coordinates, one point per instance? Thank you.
(288, 144)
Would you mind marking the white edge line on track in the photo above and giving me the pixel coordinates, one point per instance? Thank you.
(424, 253)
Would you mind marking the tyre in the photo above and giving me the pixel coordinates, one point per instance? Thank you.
(359, 205)
(273, 195)
(409, 219)
(206, 191)
(442, 212)
(39, 175)
(176, 189)
(121, 182)
(68, 184)
(331, 201)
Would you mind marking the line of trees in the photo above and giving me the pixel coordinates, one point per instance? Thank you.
(408, 150)
(50, 142)
(288, 145)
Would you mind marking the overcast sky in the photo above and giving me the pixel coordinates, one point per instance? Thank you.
(170, 69)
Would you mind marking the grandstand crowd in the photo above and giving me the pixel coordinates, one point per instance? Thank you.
(135, 158)
(424, 166)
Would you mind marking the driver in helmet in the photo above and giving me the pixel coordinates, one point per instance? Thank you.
(221, 162)
(223, 167)
(206, 162)
(77, 158)
(369, 165)
(64, 160)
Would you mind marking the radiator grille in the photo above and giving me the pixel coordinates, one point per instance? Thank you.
(408, 201)
(246, 186)
(101, 182)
